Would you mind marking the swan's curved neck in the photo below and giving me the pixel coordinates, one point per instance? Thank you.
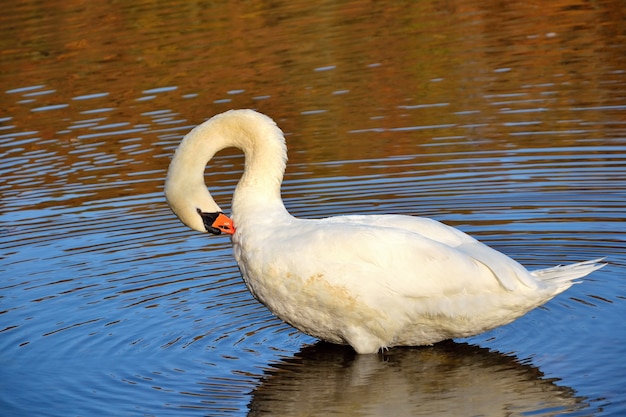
(257, 196)
(258, 190)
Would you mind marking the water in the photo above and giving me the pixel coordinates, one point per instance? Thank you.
(506, 121)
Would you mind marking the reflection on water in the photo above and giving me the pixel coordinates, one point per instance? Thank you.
(447, 379)
(505, 120)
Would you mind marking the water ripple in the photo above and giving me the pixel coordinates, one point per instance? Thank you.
(477, 115)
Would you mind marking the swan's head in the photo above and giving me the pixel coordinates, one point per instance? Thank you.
(217, 222)
(197, 210)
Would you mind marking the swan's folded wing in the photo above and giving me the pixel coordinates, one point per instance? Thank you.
(374, 260)
(424, 256)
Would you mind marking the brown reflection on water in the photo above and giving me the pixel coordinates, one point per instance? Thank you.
(113, 86)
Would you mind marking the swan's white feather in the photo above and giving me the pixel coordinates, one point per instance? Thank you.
(371, 281)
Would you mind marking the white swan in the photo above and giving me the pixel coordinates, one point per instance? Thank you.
(372, 281)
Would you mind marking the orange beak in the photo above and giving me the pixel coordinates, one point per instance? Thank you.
(225, 224)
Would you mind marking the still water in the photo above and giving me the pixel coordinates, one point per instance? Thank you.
(507, 121)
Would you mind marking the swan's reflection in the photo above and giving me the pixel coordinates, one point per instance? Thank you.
(448, 379)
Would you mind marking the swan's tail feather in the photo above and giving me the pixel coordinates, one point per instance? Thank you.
(566, 274)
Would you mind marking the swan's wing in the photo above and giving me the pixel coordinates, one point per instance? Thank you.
(375, 256)
(449, 242)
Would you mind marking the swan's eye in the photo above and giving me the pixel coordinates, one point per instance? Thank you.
(217, 222)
